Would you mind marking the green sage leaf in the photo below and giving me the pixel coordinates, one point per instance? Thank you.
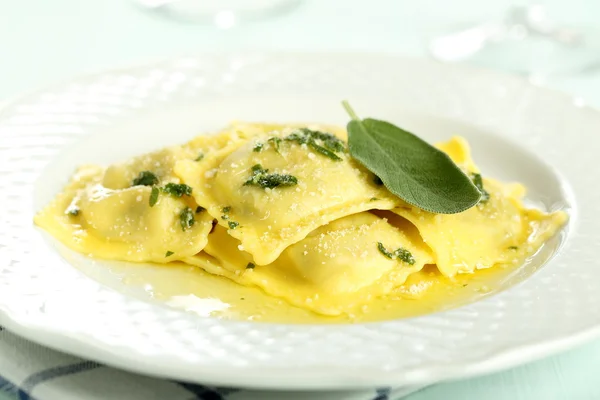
(186, 218)
(177, 189)
(409, 167)
(145, 178)
(153, 196)
(478, 182)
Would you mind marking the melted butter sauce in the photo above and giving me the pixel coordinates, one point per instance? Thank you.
(189, 288)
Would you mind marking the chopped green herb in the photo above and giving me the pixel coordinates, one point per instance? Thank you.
(320, 149)
(258, 146)
(400, 253)
(199, 209)
(73, 211)
(405, 256)
(275, 142)
(145, 178)
(186, 218)
(478, 182)
(321, 142)
(513, 247)
(233, 224)
(297, 137)
(330, 141)
(250, 266)
(177, 189)
(225, 211)
(373, 199)
(169, 253)
(465, 284)
(409, 167)
(153, 196)
(384, 251)
(261, 177)
(200, 157)
(377, 180)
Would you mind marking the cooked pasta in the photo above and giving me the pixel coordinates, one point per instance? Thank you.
(286, 209)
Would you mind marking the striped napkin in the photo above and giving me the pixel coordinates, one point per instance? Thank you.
(29, 371)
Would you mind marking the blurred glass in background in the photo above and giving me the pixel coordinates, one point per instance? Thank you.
(528, 39)
(531, 38)
(223, 13)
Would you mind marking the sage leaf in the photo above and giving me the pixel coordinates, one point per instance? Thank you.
(478, 182)
(186, 218)
(145, 178)
(153, 196)
(409, 167)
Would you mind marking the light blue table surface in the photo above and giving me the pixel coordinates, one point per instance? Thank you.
(44, 41)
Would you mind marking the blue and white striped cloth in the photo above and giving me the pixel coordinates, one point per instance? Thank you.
(29, 371)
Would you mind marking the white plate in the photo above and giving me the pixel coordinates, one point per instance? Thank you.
(519, 132)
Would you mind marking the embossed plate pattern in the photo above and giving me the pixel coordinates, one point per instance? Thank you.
(45, 299)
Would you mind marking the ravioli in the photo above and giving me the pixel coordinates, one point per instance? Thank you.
(121, 175)
(120, 224)
(284, 208)
(161, 162)
(499, 230)
(267, 220)
(335, 269)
